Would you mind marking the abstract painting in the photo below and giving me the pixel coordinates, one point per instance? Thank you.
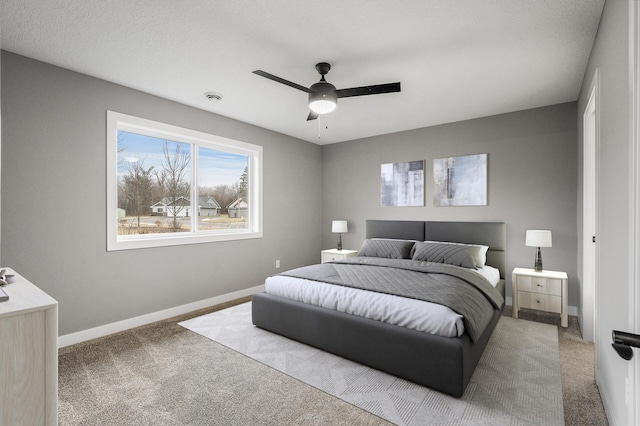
(402, 184)
(460, 181)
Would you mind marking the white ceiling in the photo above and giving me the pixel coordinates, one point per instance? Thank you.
(456, 60)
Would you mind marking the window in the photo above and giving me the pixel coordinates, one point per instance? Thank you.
(168, 185)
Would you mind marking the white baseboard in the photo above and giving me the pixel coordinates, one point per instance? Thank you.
(105, 330)
(572, 310)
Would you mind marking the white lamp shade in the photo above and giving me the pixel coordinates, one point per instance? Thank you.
(339, 226)
(538, 238)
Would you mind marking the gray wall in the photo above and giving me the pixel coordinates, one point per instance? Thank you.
(53, 185)
(610, 55)
(53, 201)
(531, 181)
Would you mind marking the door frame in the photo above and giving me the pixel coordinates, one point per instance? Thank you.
(632, 388)
(590, 170)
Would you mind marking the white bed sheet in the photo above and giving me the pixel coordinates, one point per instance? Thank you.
(490, 273)
(410, 313)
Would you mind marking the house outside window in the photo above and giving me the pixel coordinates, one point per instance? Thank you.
(168, 185)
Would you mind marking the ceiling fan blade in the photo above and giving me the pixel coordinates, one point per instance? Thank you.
(368, 90)
(282, 80)
(312, 116)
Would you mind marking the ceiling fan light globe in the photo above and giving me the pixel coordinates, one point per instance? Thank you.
(322, 106)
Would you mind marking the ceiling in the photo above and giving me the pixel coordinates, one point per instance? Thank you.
(456, 60)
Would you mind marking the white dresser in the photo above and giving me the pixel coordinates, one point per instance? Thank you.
(28, 355)
(545, 291)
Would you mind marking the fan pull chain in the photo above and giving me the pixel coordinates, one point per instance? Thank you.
(320, 127)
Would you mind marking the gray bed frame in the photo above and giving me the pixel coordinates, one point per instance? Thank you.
(441, 363)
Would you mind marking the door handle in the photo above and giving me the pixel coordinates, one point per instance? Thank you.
(623, 342)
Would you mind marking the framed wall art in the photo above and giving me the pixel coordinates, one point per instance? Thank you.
(402, 184)
(460, 181)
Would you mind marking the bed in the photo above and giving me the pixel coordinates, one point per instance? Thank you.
(445, 364)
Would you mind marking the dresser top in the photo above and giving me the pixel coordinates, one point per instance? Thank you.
(24, 297)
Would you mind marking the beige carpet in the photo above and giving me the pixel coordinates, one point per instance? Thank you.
(163, 374)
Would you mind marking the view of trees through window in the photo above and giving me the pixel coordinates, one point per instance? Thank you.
(166, 186)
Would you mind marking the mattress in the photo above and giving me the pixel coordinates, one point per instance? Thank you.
(413, 314)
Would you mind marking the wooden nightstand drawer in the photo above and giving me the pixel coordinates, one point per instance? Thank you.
(544, 302)
(330, 257)
(540, 285)
(333, 254)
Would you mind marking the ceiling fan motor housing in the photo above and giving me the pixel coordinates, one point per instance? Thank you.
(323, 98)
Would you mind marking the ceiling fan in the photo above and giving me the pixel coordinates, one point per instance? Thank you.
(323, 96)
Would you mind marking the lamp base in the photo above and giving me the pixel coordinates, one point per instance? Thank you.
(537, 265)
(340, 242)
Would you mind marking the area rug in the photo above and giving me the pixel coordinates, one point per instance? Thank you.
(516, 382)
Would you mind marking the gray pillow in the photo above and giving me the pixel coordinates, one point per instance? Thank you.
(387, 248)
(465, 255)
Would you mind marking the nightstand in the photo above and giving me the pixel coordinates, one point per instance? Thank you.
(335, 254)
(545, 291)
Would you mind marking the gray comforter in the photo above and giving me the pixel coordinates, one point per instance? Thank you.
(466, 293)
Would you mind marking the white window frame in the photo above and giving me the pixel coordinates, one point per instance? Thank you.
(118, 121)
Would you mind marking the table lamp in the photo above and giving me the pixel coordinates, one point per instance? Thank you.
(338, 227)
(538, 238)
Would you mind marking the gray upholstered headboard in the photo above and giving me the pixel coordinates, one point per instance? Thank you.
(492, 234)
